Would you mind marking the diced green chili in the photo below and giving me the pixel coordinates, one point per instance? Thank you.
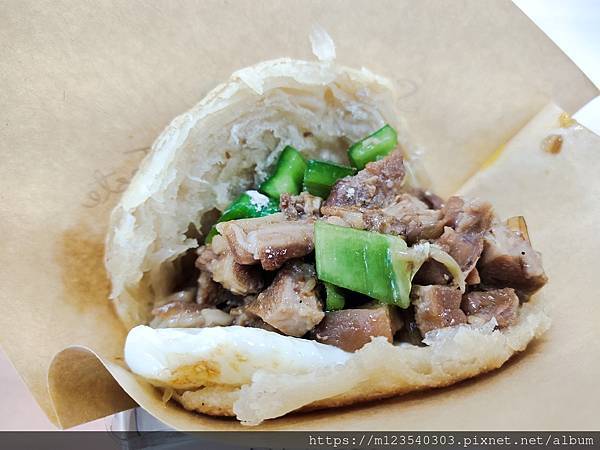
(248, 205)
(288, 175)
(320, 176)
(211, 234)
(334, 299)
(373, 147)
(364, 262)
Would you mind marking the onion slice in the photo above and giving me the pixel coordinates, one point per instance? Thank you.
(419, 253)
(518, 224)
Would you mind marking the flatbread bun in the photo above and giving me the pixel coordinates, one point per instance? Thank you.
(227, 143)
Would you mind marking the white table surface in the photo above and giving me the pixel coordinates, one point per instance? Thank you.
(574, 25)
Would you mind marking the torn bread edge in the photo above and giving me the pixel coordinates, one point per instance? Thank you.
(379, 370)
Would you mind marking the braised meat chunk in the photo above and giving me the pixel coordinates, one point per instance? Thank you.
(270, 240)
(467, 221)
(244, 318)
(302, 206)
(212, 294)
(473, 277)
(509, 261)
(437, 307)
(351, 329)
(373, 200)
(468, 215)
(282, 242)
(373, 187)
(241, 236)
(432, 272)
(410, 331)
(344, 216)
(188, 315)
(432, 200)
(408, 217)
(290, 303)
(481, 306)
(209, 291)
(218, 260)
(465, 248)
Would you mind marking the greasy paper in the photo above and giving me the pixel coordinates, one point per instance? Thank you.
(87, 88)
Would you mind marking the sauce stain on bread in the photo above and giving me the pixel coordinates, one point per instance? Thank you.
(80, 255)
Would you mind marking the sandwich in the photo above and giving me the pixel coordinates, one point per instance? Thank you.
(279, 249)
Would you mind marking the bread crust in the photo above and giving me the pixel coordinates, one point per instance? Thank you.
(452, 356)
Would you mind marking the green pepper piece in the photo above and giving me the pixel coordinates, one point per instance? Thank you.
(334, 299)
(320, 176)
(211, 234)
(363, 261)
(248, 205)
(373, 147)
(288, 174)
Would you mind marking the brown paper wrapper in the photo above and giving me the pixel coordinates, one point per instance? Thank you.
(86, 89)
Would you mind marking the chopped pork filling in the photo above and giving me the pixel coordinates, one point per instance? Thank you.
(437, 307)
(270, 241)
(302, 206)
(508, 260)
(350, 329)
(290, 303)
(482, 306)
(218, 260)
(260, 272)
